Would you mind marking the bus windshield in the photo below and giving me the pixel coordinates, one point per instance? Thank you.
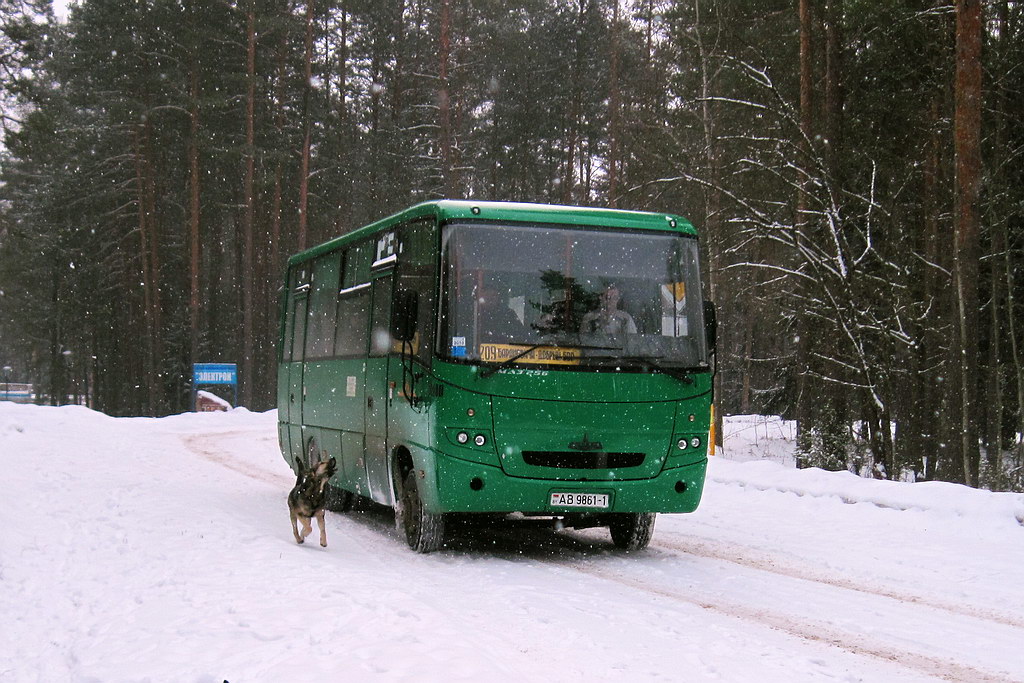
(581, 296)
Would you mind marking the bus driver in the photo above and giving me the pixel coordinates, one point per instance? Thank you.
(608, 318)
(497, 322)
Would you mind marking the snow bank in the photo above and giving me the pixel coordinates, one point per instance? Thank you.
(759, 455)
(942, 497)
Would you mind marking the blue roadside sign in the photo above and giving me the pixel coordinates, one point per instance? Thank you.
(214, 373)
(207, 374)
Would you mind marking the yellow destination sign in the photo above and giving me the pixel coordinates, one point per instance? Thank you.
(496, 353)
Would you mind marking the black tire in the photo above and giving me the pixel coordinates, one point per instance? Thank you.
(632, 530)
(424, 531)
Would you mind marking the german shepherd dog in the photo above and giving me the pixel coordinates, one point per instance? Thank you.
(307, 499)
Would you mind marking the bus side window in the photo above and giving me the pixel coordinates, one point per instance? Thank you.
(353, 318)
(297, 314)
(417, 272)
(322, 309)
(288, 311)
(380, 336)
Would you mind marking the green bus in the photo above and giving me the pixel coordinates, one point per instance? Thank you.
(489, 358)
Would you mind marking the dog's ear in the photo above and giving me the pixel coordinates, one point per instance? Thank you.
(332, 467)
(300, 467)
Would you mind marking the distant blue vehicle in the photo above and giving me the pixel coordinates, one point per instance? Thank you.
(17, 392)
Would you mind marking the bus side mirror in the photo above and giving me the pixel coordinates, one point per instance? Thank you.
(404, 314)
(710, 324)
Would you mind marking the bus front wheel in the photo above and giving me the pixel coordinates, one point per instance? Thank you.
(632, 530)
(424, 531)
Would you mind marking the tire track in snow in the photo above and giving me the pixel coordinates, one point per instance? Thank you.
(805, 629)
(362, 527)
(763, 561)
(206, 446)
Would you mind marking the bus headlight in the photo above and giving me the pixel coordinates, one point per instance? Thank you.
(462, 437)
(480, 440)
(695, 442)
(682, 444)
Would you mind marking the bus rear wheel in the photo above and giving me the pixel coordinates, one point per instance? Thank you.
(632, 530)
(424, 531)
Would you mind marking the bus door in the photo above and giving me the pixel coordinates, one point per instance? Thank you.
(296, 327)
(376, 388)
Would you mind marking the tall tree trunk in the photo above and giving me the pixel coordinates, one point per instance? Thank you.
(614, 105)
(834, 90)
(712, 194)
(444, 99)
(343, 220)
(804, 399)
(999, 243)
(149, 248)
(930, 448)
(276, 265)
(1007, 263)
(308, 125)
(1016, 356)
(967, 126)
(748, 352)
(194, 197)
(248, 374)
(575, 113)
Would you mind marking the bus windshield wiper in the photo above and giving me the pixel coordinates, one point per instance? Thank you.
(680, 374)
(487, 372)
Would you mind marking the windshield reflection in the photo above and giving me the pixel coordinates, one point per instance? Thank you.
(583, 297)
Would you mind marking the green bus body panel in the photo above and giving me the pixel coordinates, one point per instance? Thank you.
(452, 490)
(550, 426)
(356, 409)
(548, 410)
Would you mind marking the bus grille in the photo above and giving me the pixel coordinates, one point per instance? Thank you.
(586, 460)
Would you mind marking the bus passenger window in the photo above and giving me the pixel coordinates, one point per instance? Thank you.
(380, 317)
(298, 297)
(353, 321)
(322, 311)
(353, 308)
(299, 328)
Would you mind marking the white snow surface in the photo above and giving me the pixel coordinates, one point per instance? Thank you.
(139, 549)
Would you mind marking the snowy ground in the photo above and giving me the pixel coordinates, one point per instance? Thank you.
(160, 550)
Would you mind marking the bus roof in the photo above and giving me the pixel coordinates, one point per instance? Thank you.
(450, 209)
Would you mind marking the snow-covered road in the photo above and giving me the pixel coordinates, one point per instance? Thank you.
(160, 549)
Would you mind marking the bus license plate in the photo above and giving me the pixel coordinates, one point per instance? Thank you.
(580, 500)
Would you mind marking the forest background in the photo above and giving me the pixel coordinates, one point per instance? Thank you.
(854, 168)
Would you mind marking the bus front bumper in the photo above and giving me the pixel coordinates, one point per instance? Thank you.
(463, 486)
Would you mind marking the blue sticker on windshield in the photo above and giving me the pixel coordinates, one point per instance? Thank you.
(458, 347)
